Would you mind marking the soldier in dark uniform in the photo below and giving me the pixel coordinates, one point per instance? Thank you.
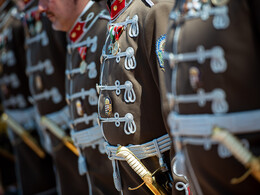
(8, 183)
(34, 171)
(46, 54)
(212, 85)
(129, 99)
(85, 23)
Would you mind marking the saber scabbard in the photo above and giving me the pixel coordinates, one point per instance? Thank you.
(242, 154)
(59, 133)
(141, 170)
(26, 137)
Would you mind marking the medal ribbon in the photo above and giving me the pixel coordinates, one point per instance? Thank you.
(82, 52)
(115, 32)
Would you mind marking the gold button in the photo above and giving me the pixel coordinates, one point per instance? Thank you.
(73, 35)
(115, 8)
(78, 28)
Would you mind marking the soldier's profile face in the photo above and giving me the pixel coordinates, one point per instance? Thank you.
(62, 13)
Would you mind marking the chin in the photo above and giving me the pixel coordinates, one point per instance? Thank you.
(57, 27)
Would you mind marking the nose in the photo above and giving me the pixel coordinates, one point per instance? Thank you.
(43, 5)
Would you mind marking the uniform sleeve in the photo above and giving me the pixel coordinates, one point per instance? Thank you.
(155, 28)
(156, 24)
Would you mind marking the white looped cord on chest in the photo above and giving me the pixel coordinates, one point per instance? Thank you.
(11, 80)
(46, 66)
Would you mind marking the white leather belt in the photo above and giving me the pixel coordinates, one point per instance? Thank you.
(60, 117)
(24, 117)
(202, 124)
(87, 137)
(91, 137)
(146, 150)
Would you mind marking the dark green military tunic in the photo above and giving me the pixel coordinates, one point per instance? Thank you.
(34, 175)
(87, 37)
(212, 64)
(129, 101)
(46, 55)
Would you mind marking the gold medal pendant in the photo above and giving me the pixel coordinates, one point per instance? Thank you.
(83, 67)
(115, 48)
(219, 2)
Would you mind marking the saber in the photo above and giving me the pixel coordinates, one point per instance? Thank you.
(141, 170)
(59, 133)
(242, 154)
(26, 137)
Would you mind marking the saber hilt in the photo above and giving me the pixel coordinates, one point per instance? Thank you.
(242, 154)
(141, 170)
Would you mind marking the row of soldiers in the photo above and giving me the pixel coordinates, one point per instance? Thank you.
(132, 96)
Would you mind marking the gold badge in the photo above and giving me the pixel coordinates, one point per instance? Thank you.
(79, 108)
(38, 82)
(83, 67)
(219, 2)
(73, 35)
(115, 8)
(108, 107)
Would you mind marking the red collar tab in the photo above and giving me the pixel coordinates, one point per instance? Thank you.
(77, 31)
(26, 1)
(116, 8)
(82, 52)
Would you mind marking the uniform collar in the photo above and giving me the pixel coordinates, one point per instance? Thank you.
(117, 7)
(29, 3)
(26, 1)
(77, 29)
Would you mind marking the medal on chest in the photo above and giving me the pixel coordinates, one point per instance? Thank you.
(83, 53)
(79, 108)
(108, 107)
(33, 23)
(114, 32)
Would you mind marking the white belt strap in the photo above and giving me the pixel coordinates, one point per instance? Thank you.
(25, 117)
(87, 137)
(202, 124)
(142, 151)
(60, 117)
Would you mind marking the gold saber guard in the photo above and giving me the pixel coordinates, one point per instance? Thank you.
(26, 137)
(59, 133)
